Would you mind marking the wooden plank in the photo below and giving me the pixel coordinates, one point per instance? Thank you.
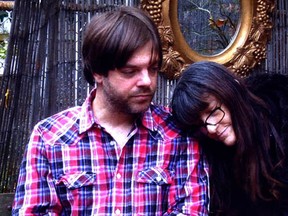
(6, 200)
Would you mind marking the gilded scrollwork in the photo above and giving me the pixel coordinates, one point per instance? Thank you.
(240, 57)
(254, 51)
(154, 8)
(173, 63)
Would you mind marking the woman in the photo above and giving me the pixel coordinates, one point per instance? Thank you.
(246, 155)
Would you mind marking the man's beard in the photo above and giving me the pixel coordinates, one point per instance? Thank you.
(121, 104)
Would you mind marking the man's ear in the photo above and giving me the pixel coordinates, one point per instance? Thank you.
(98, 78)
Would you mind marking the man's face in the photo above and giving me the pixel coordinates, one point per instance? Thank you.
(131, 89)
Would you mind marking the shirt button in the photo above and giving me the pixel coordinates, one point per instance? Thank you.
(117, 212)
(184, 208)
(112, 143)
(158, 178)
(118, 176)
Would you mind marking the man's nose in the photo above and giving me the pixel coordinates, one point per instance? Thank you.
(144, 79)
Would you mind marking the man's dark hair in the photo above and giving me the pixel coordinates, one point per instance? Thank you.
(111, 38)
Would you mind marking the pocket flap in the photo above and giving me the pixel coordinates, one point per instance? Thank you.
(156, 175)
(77, 180)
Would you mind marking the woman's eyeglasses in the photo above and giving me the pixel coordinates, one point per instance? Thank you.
(215, 117)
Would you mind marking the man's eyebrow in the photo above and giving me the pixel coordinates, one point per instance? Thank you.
(130, 65)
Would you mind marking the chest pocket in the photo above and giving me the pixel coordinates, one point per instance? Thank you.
(156, 175)
(77, 180)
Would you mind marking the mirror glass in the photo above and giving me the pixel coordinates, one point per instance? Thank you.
(230, 32)
(208, 26)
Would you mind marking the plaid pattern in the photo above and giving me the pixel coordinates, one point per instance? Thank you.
(72, 166)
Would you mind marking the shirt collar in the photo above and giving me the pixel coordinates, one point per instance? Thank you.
(147, 120)
(87, 119)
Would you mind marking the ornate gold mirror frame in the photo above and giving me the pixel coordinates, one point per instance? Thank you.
(243, 53)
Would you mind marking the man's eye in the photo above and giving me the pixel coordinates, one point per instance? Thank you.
(128, 72)
(154, 70)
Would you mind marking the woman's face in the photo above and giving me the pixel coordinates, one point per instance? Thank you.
(217, 122)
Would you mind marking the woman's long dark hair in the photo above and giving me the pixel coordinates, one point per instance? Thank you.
(273, 89)
(253, 161)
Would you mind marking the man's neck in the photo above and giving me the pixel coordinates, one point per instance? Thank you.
(116, 123)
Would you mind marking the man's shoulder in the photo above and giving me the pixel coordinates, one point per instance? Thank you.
(161, 115)
(69, 113)
(164, 120)
(59, 123)
(162, 111)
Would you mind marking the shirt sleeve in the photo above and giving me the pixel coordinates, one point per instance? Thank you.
(35, 191)
(192, 196)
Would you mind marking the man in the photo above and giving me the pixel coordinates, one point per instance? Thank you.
(117, 154)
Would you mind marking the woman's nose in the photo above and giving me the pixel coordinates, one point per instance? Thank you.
(211, 129)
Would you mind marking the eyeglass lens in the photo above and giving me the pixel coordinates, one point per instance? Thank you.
(215, 116)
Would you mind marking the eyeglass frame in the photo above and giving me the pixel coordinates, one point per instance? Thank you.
(211, 113)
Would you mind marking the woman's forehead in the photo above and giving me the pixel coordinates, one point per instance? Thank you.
(211, 99)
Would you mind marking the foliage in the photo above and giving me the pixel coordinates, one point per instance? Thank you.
(3, 49)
